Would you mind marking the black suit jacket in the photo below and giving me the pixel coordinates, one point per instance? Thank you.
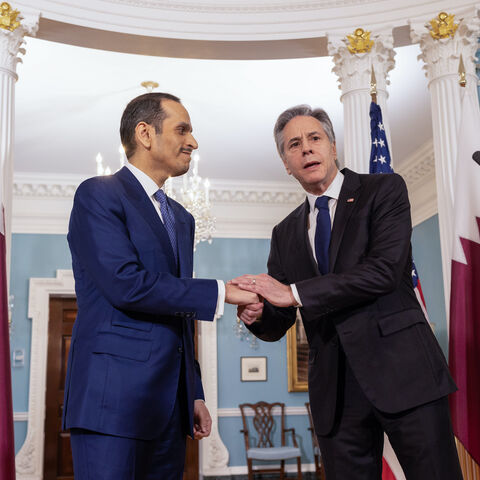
(365, 303)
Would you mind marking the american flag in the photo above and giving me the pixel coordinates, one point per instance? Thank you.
(381, 162)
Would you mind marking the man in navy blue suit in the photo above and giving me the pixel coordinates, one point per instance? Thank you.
(133, 389)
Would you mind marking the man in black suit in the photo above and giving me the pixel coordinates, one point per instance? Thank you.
(344, 259)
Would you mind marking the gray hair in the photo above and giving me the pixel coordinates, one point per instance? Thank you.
(301, 111)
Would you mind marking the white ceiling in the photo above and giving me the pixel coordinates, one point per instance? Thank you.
(69, 101)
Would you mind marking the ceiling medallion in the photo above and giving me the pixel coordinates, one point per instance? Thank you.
(8, 17)
(443, 26)
(360, 41)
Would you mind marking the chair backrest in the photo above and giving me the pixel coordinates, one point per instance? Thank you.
(263, 421)
(310, 418)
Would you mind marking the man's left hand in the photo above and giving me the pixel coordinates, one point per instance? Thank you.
(202, 422)
(267, 287)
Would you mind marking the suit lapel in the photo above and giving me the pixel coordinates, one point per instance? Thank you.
(139, 199)
(304, 252)
(345, 206)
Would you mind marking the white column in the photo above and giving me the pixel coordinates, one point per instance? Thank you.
(213, 453)
(10, 47)
(354, 75)
(442, 58)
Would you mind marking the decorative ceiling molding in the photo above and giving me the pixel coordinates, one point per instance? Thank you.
(227, 20)
(244, 7)
(418, 171)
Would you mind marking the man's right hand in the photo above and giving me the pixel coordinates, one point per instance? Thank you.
(249, 314)
(237, 296)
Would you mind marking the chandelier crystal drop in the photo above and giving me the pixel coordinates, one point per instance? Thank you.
(194, 196)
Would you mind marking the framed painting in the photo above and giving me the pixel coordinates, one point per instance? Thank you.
(253, 369)
(297, 357)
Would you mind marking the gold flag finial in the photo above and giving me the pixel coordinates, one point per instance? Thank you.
(461, 71)
(360, 41)
(373, 86)
(443, 26)
(8, 17)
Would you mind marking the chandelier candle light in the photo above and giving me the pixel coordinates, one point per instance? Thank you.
(195, 197)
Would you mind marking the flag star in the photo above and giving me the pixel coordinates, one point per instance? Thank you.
(375, 142)
(382, 159)
(375, 159)
(380, 126)
(414, 273)
(382, 143)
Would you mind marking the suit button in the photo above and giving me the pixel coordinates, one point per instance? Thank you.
(180, 349)
(334, 343)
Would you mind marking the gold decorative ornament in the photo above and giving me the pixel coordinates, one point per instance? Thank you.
(149, 85)
(8, 17)
(360, 41)
(443, 26)
(461, 72)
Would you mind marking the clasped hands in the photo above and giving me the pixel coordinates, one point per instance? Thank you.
(249, 291)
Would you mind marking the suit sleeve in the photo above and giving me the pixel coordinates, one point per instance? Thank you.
(275, 321)
(99, 240)
(380, 269)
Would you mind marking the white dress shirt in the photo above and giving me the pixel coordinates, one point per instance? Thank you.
(333, 191)
(150, 188)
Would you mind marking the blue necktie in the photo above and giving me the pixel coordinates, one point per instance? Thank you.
(322, 233)
(168, 220)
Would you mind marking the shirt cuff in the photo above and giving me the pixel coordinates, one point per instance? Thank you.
(220, 300)
(295, 295)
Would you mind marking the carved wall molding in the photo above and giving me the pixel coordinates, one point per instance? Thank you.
(29, 460)
(42, 204)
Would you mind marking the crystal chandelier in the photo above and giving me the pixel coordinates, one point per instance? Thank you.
(242, 333)
(194, 196)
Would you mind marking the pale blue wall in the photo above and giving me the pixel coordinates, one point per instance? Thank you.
(42, 255)
(428, 260)
(32, 256)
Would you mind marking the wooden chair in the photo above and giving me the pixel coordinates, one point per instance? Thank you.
(319, 468)
(263, 423)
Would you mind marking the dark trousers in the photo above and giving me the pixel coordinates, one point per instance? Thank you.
(98, 456)
(421, 437)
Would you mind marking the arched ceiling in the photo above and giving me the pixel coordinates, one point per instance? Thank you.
(227, 29)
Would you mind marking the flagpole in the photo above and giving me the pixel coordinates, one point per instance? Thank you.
(373, 86)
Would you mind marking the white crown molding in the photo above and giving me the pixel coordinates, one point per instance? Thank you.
(418, 171)
(42, 204)
(229, 20)
(29, 460)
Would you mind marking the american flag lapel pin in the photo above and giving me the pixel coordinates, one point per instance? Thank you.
(350, 200)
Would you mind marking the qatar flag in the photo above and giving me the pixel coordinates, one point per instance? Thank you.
(464, 340)
(7, 452)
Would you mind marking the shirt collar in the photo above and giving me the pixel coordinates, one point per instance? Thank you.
(147, 183)
(333, 190)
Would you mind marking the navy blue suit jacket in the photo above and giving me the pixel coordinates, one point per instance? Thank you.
(136, 311)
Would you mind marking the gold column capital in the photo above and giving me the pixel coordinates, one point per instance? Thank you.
(8, 17)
